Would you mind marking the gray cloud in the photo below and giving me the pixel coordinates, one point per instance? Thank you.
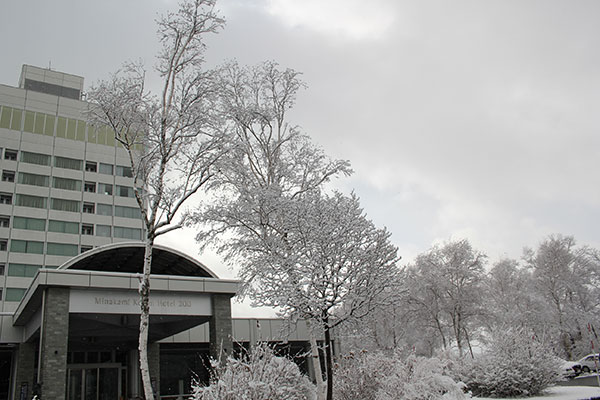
(462, 118)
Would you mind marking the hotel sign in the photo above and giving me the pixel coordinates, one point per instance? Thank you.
(128, 302)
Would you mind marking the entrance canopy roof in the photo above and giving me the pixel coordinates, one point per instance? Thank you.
(128, 257)
(103, 284)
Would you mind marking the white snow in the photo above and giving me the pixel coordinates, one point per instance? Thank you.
(562, 393)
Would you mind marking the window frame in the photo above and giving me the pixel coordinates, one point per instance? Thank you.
(11, 155)
(8, 176)
(88, 208)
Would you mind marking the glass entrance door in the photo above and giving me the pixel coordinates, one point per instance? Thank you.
(94, 382)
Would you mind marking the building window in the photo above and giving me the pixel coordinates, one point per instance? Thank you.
(33, 179)
(14, 294)
(91, 166)
(5, 198)
(89, 187)
(88, 208)
(86, 248)
(66, 184)
(32, 224)
(124, 171)
(3, 244)
(62, 249)
(103, 230)
(68, 163)
(106, 169)
(64, 205)
(127, 212)
(10, 155)
(2, 266)
(4, 221)
(23, 270)
(35, 158)
(26, 246)
(87, 229)
(128, 233)
(8, 176)
(105, 209)
(25, 200)
(125, 191)
(63, 227)
(105, 188)
(5, 117)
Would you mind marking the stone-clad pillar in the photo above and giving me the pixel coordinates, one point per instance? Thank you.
(25, 369)
(221, 342)
(54, 341)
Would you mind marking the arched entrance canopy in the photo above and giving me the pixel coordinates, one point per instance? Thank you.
(90, 305)
(128, 257)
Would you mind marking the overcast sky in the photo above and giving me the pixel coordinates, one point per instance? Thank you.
(462, 119)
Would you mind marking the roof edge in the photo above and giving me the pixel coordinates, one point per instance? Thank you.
(138, 244)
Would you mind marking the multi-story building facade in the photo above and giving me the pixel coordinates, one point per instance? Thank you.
(65, 187)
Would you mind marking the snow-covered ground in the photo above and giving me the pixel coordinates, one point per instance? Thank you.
(562, 393)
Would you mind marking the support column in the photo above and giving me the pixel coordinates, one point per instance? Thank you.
(308, 359)
(54, 342)
(154, 364)
(25, 369)
(221, 343)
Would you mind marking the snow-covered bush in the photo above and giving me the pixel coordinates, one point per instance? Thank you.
(420, 378)
(261, 375)
(380, 377)
(358, 375)
(515, 364)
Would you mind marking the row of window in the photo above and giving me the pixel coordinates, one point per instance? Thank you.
(38, 224)
(12, 294)
(51, 125)
(26, 200)
(27, 178)
(36, 247)
(68, 163)
(21, 270)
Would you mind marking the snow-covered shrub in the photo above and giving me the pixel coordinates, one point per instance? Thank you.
(380, 377)
(359, 375)
(261, 375)
(515, 364)
(420, 378)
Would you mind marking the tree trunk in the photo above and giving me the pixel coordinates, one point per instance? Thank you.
(469, 343)
(328, 362)
(456, 324)
(316, 362)
(144, 291)
(438, 325)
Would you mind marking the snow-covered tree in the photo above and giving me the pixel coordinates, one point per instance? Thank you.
(271, 165)
(323, 261)
(512, 300)
(379, 376)
(566, 277)
(259, 375)
(445, 291)
(172, 137)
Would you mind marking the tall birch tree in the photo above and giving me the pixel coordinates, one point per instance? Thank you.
(172, 137)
